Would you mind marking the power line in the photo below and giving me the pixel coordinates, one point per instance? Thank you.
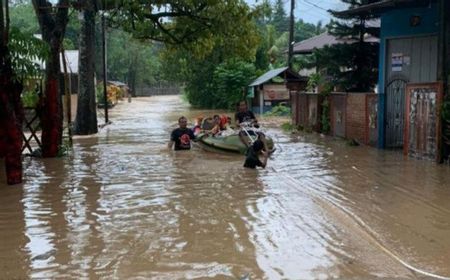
(313, 11)
(315, 5)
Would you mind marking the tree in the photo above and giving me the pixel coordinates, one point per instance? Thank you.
(11, 113)
(230, 80)
(23, 17)
(304, 30)
(280, 19)
(16, 52)
(131, 60)
(360, 58)
(52, 20)
(235, 39)
(86, 118)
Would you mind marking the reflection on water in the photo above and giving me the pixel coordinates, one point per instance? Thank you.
(123, 206)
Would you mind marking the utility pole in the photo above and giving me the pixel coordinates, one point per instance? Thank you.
(105, 78)
(291, 34)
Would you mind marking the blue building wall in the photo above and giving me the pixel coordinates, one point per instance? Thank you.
(396, 24)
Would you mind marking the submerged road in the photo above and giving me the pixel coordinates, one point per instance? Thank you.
(122, 206)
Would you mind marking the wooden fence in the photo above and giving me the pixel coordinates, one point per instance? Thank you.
(159, 89)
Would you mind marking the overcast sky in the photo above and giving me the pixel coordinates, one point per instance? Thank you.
(310, 10)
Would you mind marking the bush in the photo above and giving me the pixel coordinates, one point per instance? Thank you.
(279, 110)
(30, 99)
(220, 86)
(287, 126)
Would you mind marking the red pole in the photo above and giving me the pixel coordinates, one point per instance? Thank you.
(51, 119)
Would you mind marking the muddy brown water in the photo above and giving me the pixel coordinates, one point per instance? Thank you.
(122, 206)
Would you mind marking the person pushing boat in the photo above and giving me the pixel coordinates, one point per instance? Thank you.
(182, 136)
(257, 149)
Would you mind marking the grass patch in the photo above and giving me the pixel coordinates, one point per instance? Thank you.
(287, 126)
(279, 111)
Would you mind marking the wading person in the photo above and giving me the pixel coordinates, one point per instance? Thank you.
(182, 136)
(258, 148)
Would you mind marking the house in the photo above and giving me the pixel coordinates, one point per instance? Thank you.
(340, 114)
(413, 69)
(272, 89)
(307, 47)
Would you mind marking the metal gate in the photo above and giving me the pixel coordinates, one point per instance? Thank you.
(395, 112)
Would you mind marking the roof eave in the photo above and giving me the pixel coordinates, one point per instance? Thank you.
(375, 9)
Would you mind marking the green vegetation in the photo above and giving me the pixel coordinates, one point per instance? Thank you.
(99, 92)
(30, 99)
(214, 52)
(353, 66)
(325, 118)
(288, 126)
(25, 50)
(279, 110)
(217, 77)
(314, 81)
(64, 149)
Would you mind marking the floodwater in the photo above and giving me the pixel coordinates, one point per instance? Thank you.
(122, 206)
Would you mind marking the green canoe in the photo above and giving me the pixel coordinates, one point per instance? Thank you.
(231, 143)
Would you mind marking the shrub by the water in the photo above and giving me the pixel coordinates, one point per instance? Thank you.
(279, 110)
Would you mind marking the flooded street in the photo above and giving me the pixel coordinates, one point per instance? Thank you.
(122, 206)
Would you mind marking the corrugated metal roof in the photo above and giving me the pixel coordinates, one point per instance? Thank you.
(316, 42)
(117, 83)
(325, 39)
(268, 76)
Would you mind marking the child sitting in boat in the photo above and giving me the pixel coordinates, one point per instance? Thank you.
(198, 126)
(220, 124)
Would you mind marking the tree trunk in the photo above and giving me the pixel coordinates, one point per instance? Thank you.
(11, 118)
(11, 110)
(52, 120)
(86, 119)
(53, 27)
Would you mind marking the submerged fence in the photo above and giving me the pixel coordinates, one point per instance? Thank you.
(162, 88)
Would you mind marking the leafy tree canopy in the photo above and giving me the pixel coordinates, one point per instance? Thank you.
(26, 52)
(353, 65)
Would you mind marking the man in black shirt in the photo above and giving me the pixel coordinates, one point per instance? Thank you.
(244, 115)
(181, 136)
(251, 156)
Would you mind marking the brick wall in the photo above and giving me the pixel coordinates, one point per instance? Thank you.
(352, 115)
(356, 117)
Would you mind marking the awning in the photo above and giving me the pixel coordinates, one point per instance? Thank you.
(268, 76)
